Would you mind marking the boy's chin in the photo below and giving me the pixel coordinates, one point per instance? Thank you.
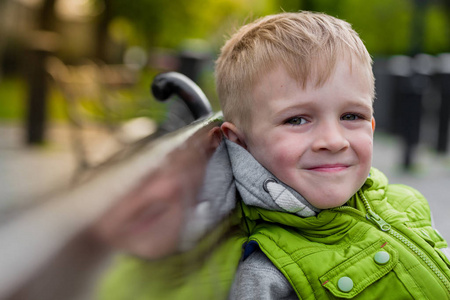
(328, 202)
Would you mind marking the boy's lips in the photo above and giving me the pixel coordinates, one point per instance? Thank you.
(328, 168)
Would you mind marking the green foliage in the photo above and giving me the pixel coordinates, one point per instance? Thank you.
(437, 30)
(13, 100)
(12, 95)
(386, 26)
(166, 23)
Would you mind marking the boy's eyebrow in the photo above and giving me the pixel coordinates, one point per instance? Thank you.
(360, 105)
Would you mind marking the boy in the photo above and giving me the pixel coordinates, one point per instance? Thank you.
(292, 182)
(296, 91)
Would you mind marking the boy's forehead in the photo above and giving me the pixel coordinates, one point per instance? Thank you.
(318, 76)
(277, 83)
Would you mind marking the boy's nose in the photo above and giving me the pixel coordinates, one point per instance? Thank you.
(330, 137)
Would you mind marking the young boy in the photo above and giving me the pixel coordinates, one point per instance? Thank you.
(292, 182)
(296, 91)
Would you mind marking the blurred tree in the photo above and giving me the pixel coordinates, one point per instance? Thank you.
(437, 27)
(36, 75)
(391, 27)
(384, 25)
(102, 30)
(387, 26)
(159, 23)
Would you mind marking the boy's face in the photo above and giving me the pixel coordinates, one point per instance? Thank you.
(316, 140)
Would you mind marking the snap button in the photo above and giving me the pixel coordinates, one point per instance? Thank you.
(345, 284)
(266, 182)
(382, 257)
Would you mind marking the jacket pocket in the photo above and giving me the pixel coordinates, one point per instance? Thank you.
(351, 277)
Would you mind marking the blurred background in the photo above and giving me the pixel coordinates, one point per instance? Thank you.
(75, 78)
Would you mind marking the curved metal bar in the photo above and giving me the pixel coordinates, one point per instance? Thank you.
(166, 84)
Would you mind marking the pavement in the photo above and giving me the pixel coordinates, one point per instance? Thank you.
(29, 174)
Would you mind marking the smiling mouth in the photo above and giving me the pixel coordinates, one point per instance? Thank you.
(329, 168)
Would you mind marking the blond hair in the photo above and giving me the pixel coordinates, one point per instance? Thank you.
(306, 44)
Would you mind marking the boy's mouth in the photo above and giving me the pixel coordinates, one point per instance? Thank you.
(328, 168)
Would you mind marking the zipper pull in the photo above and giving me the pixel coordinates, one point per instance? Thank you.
(375, 218)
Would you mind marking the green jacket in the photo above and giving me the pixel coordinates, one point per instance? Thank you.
(380, 245)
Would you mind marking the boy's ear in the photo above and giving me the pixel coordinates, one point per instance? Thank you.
(234, 134)
(214, 138)
(373, 123)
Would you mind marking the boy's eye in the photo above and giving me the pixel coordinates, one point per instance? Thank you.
(296, 121)
(350, 117)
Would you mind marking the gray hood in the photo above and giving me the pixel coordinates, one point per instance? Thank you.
(233, 168)
(254, 182)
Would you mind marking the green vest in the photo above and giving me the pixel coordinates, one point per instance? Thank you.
(379, 246)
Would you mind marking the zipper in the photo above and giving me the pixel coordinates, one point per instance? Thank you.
(384, 226)
(373, 216)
